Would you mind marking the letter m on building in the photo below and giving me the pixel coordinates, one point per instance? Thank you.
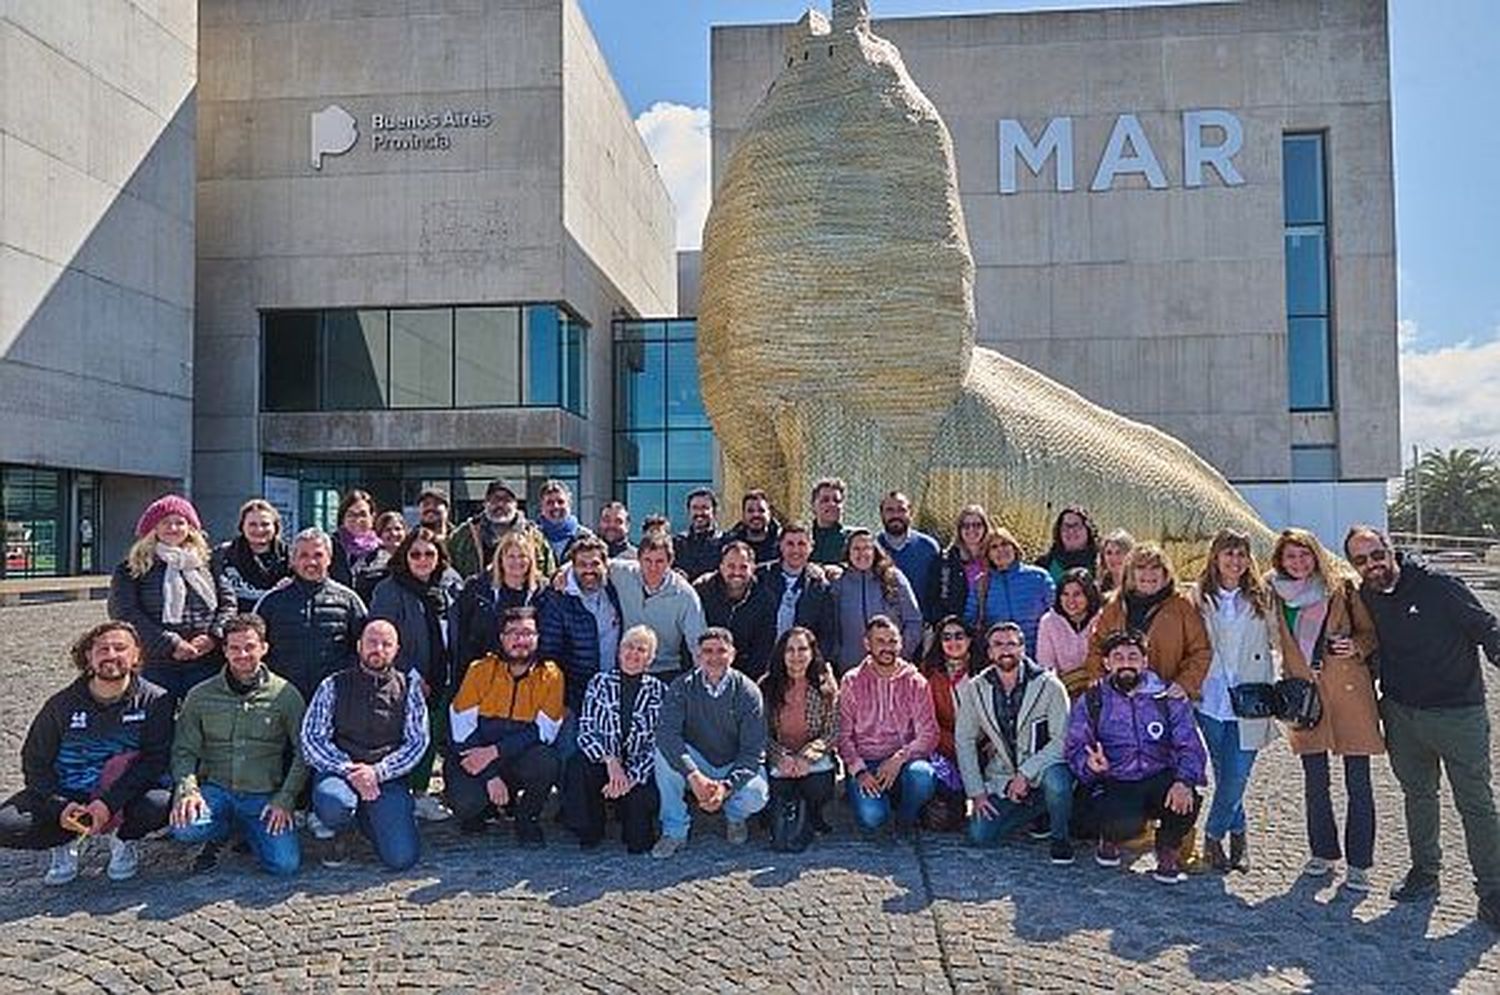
(1056, 143)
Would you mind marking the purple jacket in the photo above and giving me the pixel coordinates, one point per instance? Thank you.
(1139, 740)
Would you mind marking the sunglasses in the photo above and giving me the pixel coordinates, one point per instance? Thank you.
(1374, 556)
(422, 554)
(953, 637)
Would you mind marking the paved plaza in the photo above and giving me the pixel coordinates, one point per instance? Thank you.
(476, 913)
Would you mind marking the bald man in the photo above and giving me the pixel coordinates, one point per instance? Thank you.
(365, 729)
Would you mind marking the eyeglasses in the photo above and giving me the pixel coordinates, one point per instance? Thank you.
(1373, 556)
(1006, 646)
(953, 637)
(972, 525)
(422, 554)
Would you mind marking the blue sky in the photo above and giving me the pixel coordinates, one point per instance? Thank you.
(1445, 82)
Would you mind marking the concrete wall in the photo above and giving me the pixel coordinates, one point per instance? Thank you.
(482, 222)
(96, 237)
(1167, 305)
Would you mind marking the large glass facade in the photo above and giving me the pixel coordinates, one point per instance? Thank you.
(664, 446)
(49, 522)
(371, 359)
(307, 491)
(1308, 300)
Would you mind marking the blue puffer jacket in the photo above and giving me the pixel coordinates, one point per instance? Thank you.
(1021, 593)
(568, 636)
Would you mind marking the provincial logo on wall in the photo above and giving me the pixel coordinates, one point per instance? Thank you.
(334, 132)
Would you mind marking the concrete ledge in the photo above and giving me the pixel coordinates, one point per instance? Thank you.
(542, 431)
(31, 590)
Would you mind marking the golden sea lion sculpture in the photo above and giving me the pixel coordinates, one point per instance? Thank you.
(836, 326)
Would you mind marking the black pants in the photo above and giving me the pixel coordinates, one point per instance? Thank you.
(529, 775)
(816, 790)
(1359, 817)
(1121, 808)
(585, 806)
(28, 820)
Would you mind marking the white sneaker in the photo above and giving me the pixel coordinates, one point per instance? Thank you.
(124, 858)
(1357, 879)
(64, 864)
(430, 808)
(1317, 867)
(315, 825)
(668, 846)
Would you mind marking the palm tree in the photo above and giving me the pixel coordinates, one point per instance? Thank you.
(1460, 493)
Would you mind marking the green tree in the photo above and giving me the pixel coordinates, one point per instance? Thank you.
(1460, 493)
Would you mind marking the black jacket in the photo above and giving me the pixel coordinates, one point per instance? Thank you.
(478, 613)
(1430, 629)
(766, 549)
(73, 736)
(313, 630)
(139, 601)
(816, 609)
(952, 585)
(696, 554)
(752, 620)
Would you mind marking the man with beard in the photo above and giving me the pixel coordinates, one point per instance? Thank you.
(1021, 712)
(887, 732)
(579, 625)
(730, 600)
(365, 729)
(312, 623)
(93, 760)
(433, 510)
(1430, 628)
(560, 527)
(756, 528)
(797, 589)
(915, 553)
(697, 549)
(614, 529)
(471, 546)
(1135, 747)
(504, 719)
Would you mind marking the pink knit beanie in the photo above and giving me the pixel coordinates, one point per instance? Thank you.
(167, 504)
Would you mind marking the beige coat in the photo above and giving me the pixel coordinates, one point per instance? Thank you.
(1256, 648)
(1351, 721)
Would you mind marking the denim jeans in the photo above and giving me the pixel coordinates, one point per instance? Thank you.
(1226, 813)
(1054, 795)
(748, 799)
(911, 790)
(278, 853)
(388, 822)
(1359, 819)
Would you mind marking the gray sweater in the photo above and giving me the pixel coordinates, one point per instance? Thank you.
(729, 730)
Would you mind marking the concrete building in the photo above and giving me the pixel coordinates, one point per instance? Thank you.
(1186, 213)
(96, 272)
(415, 229)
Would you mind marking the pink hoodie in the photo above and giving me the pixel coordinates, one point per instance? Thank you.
(879, 717)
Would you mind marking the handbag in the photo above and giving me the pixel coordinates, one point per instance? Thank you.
(1299, 703)
(790, 831)
(1256, 700)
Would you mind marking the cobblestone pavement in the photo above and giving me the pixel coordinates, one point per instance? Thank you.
(849, 916)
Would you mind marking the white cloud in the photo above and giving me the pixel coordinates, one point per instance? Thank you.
(1447, 393)
(678, 139)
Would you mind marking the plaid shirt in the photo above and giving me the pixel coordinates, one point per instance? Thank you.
(322, 754)
(599, 724)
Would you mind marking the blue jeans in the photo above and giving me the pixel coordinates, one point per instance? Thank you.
(1226, 814)
(1054, 795)
(912, 789)
(748, 799)
(229, 810)
(389, 822)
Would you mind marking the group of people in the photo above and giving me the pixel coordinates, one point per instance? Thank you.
(317, 680)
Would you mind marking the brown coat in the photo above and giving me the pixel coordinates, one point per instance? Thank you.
(1177, 643)
(1351, 721)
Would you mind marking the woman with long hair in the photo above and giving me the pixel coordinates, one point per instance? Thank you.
(1063, 634)
(1075, 544)
(963, 560)
(168, 591)
(514, 580)
(1327, 637)
(870, 584)
(1236, 611)
(418, 599)
(355, 542)
(947, 666)
(256, 559)
(1113, 552)
(802, 723)
(1009, 590)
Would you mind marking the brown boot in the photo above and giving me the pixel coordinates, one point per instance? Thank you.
(1239, 852)
(1213, 852)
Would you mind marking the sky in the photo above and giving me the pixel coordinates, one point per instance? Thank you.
(1445, 91)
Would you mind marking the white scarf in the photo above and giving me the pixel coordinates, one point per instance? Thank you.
(184, 570)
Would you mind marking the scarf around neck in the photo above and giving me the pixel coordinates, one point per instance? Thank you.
(358, 546)
(259, 570)
(184, 570)
(557, 532)
(1140, 607)
(1309, 596)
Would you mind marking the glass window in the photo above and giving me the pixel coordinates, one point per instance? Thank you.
(422, 358)
(290, 361)
(575, 367)
(642, 370)
(647, 499)
(1302, 179)
(684, 402)
(543, 355)
(683, 329)
(1306, 272)
(1308, 371)
(1313, 463)
(487, 357)
(690, 456)
(641, 455)
(32, 512)
(355, 350)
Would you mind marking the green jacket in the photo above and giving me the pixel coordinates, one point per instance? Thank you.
(465, 546)
(240, 742)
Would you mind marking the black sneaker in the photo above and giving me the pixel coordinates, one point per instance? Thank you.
(1417, 886)
(1489, 910)
(1062, 852)
(208, 858)
(529, 834)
